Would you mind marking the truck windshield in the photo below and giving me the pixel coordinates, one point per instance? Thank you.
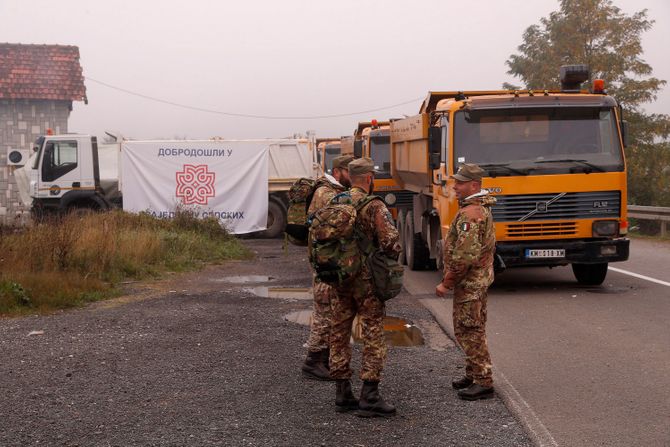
(331, 152)
(381, 154)
(538, 141)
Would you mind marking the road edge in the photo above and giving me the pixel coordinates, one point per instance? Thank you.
(514, 402)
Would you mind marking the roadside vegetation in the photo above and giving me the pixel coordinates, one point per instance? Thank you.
(72, 260)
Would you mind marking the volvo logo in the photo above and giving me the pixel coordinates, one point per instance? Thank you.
(542, 207)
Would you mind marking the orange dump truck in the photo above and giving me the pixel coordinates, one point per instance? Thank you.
(553, 159)
(373, 139)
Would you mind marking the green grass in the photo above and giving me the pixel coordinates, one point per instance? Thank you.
(72, 260)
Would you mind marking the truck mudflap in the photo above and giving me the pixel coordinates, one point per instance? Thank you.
(561, 252)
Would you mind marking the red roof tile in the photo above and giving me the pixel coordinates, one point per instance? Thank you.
(41, 72)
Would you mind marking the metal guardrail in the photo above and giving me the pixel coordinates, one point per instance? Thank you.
(651, 213)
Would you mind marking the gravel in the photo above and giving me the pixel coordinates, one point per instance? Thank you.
(195, 360)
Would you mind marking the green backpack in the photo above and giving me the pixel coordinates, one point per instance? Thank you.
(338, 248)
(299, 197)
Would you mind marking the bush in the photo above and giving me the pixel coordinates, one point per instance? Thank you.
(72, 259)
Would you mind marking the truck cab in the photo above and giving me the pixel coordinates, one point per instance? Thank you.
(372, 139)
(327, 150)
(65, 173)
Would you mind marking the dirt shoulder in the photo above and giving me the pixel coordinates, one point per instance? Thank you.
(199, 360)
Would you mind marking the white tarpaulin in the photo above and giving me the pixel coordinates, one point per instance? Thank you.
(223, 179)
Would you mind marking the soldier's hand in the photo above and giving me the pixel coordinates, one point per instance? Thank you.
(441, 290)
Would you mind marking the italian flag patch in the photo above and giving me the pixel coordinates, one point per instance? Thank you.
(465, 226)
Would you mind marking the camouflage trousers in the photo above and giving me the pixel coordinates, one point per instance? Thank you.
(319, 331)
(357, 299)
(470, 332)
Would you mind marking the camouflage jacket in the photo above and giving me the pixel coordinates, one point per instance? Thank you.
(470, 245)
(376, 223)
(324, 192)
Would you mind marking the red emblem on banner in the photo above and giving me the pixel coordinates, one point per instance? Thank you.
(195, 184)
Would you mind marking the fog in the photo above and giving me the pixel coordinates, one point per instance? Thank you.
(281, 59)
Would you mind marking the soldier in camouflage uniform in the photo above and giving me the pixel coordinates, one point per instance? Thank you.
(318, 348)
(469, 250)
(356, 297)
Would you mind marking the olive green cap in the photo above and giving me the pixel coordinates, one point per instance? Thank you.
(361, 166)
(468, 172)
(342, 161)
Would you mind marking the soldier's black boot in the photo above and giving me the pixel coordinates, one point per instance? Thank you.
(344, 397)
(461, 383)
(371, 403)
(476, 392)
(314, 368)
(325, 358)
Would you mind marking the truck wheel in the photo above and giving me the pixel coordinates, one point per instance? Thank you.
(276, 221)
(400, 226)
(590, 274)
(416, 252)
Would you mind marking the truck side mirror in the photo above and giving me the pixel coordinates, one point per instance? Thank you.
(358, 148)
(625, 133)
(434, 147)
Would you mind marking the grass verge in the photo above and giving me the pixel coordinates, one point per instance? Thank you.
(72, 260)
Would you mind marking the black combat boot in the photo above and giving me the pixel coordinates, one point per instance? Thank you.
(371, 403)
(325, 357)
(476, 392)
(461, 383)
(313, 368)
(344, 397)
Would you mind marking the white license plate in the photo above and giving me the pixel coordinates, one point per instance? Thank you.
(545, 253)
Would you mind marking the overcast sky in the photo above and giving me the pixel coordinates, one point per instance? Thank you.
(288, 58)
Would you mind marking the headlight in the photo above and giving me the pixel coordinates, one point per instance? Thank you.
(605, 228)
(390, 199)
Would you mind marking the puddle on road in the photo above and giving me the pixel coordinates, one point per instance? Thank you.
(289, 293)
(398, 331)
(244, 279)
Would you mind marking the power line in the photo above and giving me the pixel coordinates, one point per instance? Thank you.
(244, 115)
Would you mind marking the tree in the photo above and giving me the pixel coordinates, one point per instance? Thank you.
(597, 33)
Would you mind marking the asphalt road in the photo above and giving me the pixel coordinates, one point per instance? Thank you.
(582, 365)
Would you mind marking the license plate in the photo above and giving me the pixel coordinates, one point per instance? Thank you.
(545, 253)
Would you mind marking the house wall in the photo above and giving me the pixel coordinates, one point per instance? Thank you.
(21, 122)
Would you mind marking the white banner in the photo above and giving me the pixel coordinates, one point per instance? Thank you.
(223, 179)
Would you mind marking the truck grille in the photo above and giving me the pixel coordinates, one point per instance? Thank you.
(541, 229)
(555, 206)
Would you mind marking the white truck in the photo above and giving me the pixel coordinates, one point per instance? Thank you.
(72, 171)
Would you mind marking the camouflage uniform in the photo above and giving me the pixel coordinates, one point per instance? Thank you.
(357, 297)
(468, 261)
(319, 332)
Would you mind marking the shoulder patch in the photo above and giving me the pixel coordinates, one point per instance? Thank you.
(465, 226)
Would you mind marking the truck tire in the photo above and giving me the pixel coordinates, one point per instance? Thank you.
(400, 226)
(276, 221)
(590, 274)
(416, 252)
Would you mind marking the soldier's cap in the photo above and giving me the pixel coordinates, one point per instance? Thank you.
(361, 166)
(342, 161)
(468, 172)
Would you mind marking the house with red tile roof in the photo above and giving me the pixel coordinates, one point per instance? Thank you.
(38, 84)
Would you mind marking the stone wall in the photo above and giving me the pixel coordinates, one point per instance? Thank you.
(21, 122)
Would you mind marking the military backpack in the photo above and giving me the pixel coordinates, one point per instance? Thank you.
(299, 198)
(338, 248)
